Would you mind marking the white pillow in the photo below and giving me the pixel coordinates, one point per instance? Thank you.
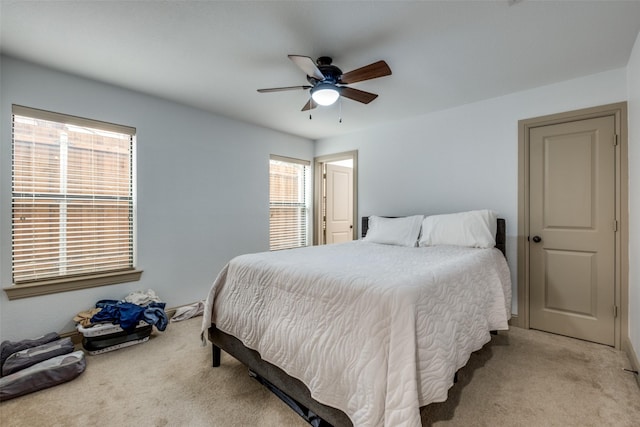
(394, 231)
(476, 229)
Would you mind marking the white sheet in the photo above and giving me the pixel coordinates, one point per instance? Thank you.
(376, 331)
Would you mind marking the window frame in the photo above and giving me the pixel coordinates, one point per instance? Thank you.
(76, 281)
(308, 197)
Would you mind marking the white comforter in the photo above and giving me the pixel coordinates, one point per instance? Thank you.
(376, 331)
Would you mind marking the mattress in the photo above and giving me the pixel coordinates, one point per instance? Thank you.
(376, 331)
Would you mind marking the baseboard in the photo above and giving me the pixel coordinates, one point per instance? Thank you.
(514, 321)
(76, 337)
(633, 358)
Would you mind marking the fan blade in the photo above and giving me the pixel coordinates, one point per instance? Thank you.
(280, 89)
(357, 94)
(307, 65)
(368, 72)
(310, 105)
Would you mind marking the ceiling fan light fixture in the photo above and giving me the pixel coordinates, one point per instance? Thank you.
(325, 94)
(325, 78)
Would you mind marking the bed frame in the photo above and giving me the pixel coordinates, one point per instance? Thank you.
(265, 371)
(293, 389)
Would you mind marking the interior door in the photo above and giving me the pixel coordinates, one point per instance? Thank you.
(339, 204)
(572, 229)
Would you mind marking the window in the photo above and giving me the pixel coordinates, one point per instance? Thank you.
(72, 197)
(288, 203)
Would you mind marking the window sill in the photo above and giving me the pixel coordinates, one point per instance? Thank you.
(55, 286)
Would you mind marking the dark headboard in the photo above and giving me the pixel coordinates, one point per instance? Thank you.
(501, 233)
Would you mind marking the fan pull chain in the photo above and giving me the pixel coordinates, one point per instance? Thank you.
(340, 110)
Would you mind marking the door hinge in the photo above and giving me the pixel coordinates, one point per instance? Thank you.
(615, 225)
(615, 139)
(615, 311)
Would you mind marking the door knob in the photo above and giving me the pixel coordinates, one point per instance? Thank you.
(537, 239)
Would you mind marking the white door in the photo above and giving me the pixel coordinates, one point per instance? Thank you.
(572, 229)
(339, 204)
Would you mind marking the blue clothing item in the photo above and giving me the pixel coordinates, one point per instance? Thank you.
(124, 313)
(105, 302)
(156, 316)
(156, 305)
(109, 312)
(130, 315)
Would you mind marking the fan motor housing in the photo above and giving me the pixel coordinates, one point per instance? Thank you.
(331, 73)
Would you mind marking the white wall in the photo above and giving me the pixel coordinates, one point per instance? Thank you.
(463, 158)
(633, 81)
(202, 191)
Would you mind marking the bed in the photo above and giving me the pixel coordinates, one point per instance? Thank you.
(357, 339)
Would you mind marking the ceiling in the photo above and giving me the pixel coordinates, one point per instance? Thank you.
(213, 55)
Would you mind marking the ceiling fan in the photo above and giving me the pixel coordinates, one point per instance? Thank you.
(328, 82)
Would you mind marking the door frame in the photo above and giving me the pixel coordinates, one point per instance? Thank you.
(318, 163)
(619, 111)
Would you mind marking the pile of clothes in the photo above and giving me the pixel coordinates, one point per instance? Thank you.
(115, 324)
(128, 313)
(34, 364)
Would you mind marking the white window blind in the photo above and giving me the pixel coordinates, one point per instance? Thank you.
(288, 203)
(72, 196)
